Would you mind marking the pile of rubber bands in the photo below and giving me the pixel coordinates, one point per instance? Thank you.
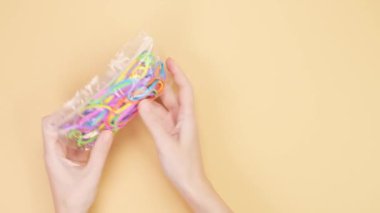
(112, 107)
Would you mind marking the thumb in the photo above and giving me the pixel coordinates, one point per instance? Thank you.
(152, 114)
(100, 151)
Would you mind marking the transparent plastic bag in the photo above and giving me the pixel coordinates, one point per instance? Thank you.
(110, 101)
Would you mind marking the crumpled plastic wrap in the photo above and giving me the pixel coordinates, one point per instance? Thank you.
(110, 101)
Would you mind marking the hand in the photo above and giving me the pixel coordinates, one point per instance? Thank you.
(174, 131)
(74, 187)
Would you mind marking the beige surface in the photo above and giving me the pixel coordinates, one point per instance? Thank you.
(287, 99)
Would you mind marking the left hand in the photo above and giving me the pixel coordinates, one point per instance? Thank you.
(74, 187)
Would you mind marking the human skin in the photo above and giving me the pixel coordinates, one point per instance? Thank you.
(172, 125)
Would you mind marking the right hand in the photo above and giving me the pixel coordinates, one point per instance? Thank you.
(174, 130)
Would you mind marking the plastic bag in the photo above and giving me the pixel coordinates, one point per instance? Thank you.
(109, 102)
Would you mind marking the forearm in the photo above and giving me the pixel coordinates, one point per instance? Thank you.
(70, 208)
(202, 197)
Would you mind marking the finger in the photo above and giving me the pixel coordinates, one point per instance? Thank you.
(153, 116)
(170, 101)
(100, 151)
(184, 86)
(50, 133)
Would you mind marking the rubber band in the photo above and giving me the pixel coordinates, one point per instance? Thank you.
(115, 105)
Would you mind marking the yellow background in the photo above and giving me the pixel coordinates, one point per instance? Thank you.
(287, 99)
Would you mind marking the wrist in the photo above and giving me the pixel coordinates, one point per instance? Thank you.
(68, 208)
(195, 186)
